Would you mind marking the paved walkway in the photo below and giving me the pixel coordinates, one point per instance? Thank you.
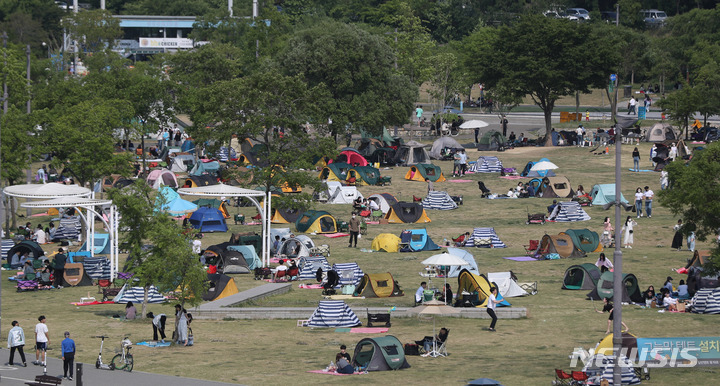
(14, 375)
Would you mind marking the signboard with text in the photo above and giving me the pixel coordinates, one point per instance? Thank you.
(166, 43)
(671, 352)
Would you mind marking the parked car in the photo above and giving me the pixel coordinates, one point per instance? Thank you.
(653, 17)
(608, 16)
(580, 13)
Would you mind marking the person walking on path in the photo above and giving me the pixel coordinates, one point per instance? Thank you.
(42, 340)
(636, 160)
(418, 113)
(608, 307)
(631, 106)
(16, 341)
(59, 266)
(649, 195)
(67, 348)
(492, 302)
(628, 230)
(354, 228)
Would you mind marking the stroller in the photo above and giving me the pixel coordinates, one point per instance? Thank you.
(331, 281)
(535, 218)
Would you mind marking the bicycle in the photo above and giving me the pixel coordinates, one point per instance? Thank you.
(123, 360)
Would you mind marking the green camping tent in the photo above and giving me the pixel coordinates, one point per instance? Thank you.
(578, 277)
(604, 288)
(380, 354)
(602, 194)
(492, 140)
(363, 175)
(585, 240)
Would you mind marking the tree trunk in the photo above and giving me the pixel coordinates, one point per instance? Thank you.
(548, 126)
(145, 300)
(632, 77)
(577, 103)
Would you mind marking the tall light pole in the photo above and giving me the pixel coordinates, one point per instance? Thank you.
(255, 14)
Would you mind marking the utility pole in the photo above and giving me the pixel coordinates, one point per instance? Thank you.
(255, 14)
(75, 42)
(29, 109)
(4, 37)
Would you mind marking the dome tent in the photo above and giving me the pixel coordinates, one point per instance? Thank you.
(380, 354)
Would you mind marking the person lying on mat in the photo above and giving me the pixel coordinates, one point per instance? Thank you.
(342, 365)
(439, 339)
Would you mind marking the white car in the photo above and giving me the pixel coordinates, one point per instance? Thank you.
(579, 13)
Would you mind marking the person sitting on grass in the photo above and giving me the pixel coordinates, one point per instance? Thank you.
(669, 302)
(682, 290)
(342, 365)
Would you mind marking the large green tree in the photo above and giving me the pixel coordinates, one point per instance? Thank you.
(694, 195)
(356, 68)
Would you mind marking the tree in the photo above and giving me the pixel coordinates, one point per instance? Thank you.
(95, 30)
(682, 105)
(543, 58)
(356, 68)
(694, 195)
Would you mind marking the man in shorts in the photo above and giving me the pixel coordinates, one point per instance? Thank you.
(41, 340)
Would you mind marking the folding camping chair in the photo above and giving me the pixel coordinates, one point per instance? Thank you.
(579, 377)
(561, 378)
(531, 247)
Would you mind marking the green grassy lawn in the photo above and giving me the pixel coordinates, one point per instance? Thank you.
(522, 352)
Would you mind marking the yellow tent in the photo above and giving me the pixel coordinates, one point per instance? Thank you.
(420, 172)
(386, 242)
(605, 346)
(477, 286)
(378, 285)
(406, 212)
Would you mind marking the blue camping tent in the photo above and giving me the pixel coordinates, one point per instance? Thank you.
(249, 253)
(465, 255)
(602, 194)
(174, 205)
(415, 240)
(102, 244)
(536, 173)
(188, 146)
(208, 219)
(201, 168)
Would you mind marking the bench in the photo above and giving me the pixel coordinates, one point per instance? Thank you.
(45, 380)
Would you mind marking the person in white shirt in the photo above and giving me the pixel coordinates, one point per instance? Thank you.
(579, 132)
(197, 246)
(40, 236)
(602, 261)
(491, 304)
(42, 340)
(373, 205)
(649, 195)
(420, 293)
(639, 195)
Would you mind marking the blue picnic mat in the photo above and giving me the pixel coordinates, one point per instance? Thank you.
(153, 344)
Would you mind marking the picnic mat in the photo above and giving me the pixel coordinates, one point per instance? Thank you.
(330, 372)
(642, 170)
(310, 286)
(344, 297)
(92, 303)
(521, 258)
(512, 177)
(369, 330)
(153, 344)
(460, 180)
(336, 235)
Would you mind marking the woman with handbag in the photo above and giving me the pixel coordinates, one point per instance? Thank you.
(628, 230)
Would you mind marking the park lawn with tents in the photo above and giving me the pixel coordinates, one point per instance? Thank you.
(522, 351)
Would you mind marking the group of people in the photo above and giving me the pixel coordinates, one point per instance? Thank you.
(16, 342)
(460, 161)
(38, 234)
(632, 104)
(646, 195)
(669, 295)
(48, 273)
(182, 326)
(678, 237)
(166, 136)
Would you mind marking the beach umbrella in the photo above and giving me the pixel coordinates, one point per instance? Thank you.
(543, 165)
(445, 260)
(473, 124)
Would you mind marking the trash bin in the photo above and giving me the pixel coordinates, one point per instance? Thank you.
(627, 91)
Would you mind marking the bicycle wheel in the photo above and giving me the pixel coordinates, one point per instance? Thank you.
(117, 362)
(128, 363)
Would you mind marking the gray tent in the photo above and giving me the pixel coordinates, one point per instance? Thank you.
(660, 132)
(411, 153)
(442, 143)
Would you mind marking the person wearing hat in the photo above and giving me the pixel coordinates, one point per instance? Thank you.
(668, 284)
(68, 355)
(59, 265)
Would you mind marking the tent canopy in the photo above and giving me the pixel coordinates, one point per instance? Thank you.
(220, 286)
(411, 153)
(604, 288)
(416, 240)
(351, 156)
(561, 244)
(585, 240)
(492, 140)
(378, 285)
(363, 175)
(484, 237)
(507, 286)
(660, 132)
(208, 220)
(557, 187)
(439, 200)
(384, 201)
(465, 255)
(333, 313)
(486, 164)
(443, 143)
(46, 191)
(336, 171)
(569, 211)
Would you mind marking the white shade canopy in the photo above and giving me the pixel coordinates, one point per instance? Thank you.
(65, 202)
(51, 190)
(543, 165)
(473, 124)
(221, 190)
(445, 259)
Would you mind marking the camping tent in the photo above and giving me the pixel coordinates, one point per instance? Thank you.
(660, 132)
(561, 244)
(333, 313)
(222, 154)
(570, 211)
(137, 295)
(97, 267)
(380, 354)
(581, 277)
(416, 240)
(75, 275)
(438, 200)
(316, 221)
(336, 171)
(465, 255)
(486, 164)
(290, 246)
(507, 285)
(213, 203)
(384, 200)
(181, 162)
(362, 175)
(602, 194)
(585, 240)
(101, 243)
(478, 288)
(34, 248)
(406, 212)
(556, 187)
(69, 228)
(241, 264)
(172, 203)
(492, 140)
(208, 220)
(309, 265)
(338, 194)
(707, 301)
(420, 172)
(386, 242)
(480, 236)
(160, 177)
(220, 286)
(378, 285)
(351, 156)
(205, 167)
(349, 273)
(197, 181)
(284, 216)
(604, 288)
(411, 153)
(443, 143)
(527, 172)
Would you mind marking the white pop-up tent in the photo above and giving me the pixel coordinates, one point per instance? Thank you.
(338, 194)
(507, 286)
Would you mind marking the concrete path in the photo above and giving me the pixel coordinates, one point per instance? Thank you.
(14, 375)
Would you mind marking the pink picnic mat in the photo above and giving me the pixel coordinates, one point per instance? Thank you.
(336, 235)
(369, 330)
(460, 180)
(330, 372)
(512, 177)
(310, 286)
(91, 303)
